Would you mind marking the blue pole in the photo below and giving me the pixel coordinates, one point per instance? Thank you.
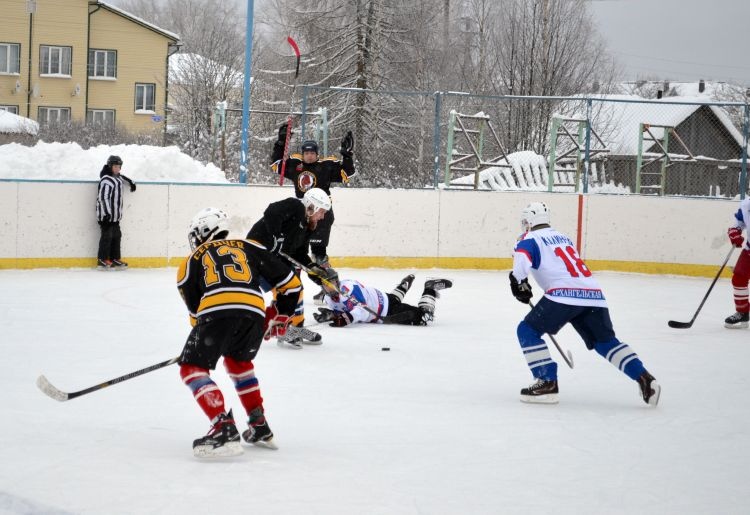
(745, 130)
(246, 91)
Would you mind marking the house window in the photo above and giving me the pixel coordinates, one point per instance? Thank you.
(103, 63)
(10, 109)
(101, 117)
(10, 58)
(55, 60)
(52, 115)
(144, 97)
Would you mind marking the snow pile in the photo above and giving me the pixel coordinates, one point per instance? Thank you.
(68, 161)
(12, 123)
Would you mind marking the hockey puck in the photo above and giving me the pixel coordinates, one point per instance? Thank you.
(385, 348)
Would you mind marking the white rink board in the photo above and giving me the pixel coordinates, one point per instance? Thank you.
(50, 219)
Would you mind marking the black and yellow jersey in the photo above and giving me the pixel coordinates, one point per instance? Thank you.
(320, 174)
(222, 278)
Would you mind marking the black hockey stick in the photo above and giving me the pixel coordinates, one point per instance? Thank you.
(48, 389)
(399, 317)
(566, 355)
(687, 325)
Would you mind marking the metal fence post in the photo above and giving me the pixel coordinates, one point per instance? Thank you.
(587, 154)
(303, 119)
(745, 130)
(436, 139)
(449, 145)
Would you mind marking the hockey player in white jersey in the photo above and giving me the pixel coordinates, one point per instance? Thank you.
(741, 274)
(571, 295)
(351, 302)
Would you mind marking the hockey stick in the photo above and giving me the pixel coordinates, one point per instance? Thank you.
(687, 325)
(51, 391)
(386, 320)
(566, 355)
(285, 155)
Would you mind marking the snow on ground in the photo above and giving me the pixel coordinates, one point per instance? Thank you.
(434, 426)
(68, 161)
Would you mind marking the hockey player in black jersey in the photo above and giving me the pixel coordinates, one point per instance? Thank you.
(220, 284)
(286, 227)
(307, 170)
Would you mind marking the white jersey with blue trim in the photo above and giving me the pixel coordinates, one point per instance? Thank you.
(355, 295)
(741, 219)
(552, 259)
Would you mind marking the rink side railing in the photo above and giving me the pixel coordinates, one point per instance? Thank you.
(52, 224)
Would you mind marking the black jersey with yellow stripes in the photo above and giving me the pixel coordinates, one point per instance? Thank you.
(319, 174)
(222, 278)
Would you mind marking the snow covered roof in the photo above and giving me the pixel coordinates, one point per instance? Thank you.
(617, 122)
(12, 123)
(139, 21)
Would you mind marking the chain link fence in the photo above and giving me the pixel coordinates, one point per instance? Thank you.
(606, 143)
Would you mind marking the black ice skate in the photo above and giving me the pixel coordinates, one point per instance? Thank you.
(103, 264)
(541, 392)
(258, 433)
(400, 291)
(650, 389)
(119, 265)
(437, 284)
(223, 440)
(737, 321)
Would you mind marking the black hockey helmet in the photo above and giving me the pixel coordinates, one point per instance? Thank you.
(114, 160)
(310, 145)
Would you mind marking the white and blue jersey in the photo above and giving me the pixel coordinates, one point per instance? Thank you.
(741, 218)
(357, 295)
(552, 259)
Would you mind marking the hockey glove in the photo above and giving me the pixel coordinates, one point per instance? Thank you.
(323, 315)
(735, 236)
(276, 326)
(520, 290)
(282, 133)
(341, 320)
(347, 145)
(318, 274)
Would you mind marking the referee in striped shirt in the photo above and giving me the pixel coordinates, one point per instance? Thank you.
(109, 213)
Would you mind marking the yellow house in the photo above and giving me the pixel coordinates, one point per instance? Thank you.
(83, 60)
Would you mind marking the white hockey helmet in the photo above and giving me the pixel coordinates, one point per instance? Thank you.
(208, 224)
(536, 213)
(316, 198)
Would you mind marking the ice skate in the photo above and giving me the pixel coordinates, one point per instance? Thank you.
(737, 321)
(103, 264)
(541, 392)
(309, 337)
(400, 291)
(438, 284)
(119, 265)
(223, 440)
(650, 389)
(258, 433)
(318, 298)
(289, 342)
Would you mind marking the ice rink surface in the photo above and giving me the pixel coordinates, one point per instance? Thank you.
(434, 426)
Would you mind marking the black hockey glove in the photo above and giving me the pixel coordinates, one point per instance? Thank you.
(347, 145)
(521, 290)
(323, 315)
(341, 320)
(282, 133)
(132, 186)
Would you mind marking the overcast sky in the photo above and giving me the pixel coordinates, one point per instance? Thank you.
(679, 40)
